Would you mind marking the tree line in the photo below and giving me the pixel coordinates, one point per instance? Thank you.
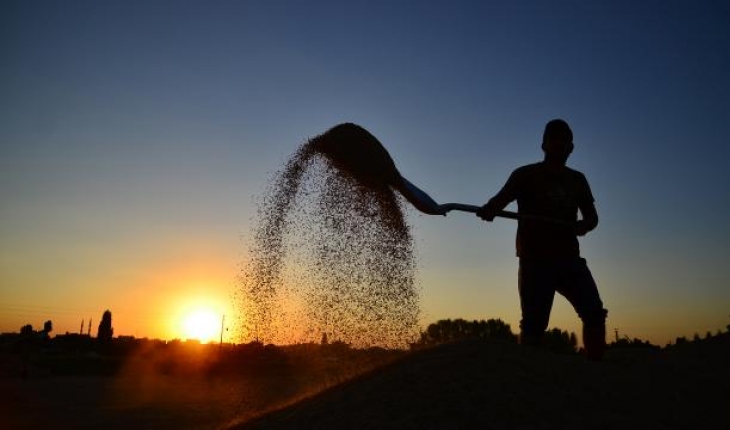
(448, 330)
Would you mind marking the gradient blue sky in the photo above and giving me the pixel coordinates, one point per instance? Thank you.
(135, 138)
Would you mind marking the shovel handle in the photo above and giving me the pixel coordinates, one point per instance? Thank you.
(474, 209)
(502, 214)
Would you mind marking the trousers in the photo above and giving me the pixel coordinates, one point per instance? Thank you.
(540, 279)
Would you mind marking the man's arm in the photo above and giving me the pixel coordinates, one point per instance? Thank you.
(587, 209)
(493, 206)
(504, 197)
(589, 219)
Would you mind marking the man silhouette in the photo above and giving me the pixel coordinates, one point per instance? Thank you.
(548, 251)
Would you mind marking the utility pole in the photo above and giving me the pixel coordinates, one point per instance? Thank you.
(88, 333)
(81, 331)
(223, 323)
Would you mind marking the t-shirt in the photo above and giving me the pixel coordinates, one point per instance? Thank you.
(545, 191)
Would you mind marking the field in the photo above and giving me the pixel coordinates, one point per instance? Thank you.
(169, 386)
(469, 384)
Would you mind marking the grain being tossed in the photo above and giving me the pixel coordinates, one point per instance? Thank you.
(333, 252)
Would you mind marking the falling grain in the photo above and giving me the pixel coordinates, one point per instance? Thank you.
(332, 251)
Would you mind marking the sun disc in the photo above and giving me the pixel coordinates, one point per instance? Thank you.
(201, 324)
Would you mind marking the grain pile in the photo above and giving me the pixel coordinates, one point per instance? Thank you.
(332, 252)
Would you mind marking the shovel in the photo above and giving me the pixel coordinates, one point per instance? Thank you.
(426, 204)
(353, 149)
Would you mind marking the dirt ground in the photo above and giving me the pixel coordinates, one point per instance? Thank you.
(473, 384)
(140, 398)
(125, 402)
(490, 385)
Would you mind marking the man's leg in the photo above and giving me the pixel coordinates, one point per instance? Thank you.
(580, 289)
(536, 283)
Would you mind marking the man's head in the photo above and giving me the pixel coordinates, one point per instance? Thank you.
(557, 141)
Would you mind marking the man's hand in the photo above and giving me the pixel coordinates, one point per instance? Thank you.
(581, 228)
(589, 221)
(487, 212)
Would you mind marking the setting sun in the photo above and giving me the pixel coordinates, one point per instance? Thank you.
(199, 310)
(202, 324)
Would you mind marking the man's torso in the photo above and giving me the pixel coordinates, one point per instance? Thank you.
(554, 193)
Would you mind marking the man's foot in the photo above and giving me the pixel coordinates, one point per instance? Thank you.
(594, 340)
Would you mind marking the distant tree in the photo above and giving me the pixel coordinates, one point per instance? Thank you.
(106, 331)
(627, 342)
(26, 330)
(560, 341)
(498, 329)
(47, 327)
(448, 330)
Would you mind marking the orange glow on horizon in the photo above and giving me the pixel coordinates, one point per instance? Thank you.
(199, 315)
(203, 324)
(198, 312)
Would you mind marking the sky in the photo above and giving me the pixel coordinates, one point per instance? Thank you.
(136, 139)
